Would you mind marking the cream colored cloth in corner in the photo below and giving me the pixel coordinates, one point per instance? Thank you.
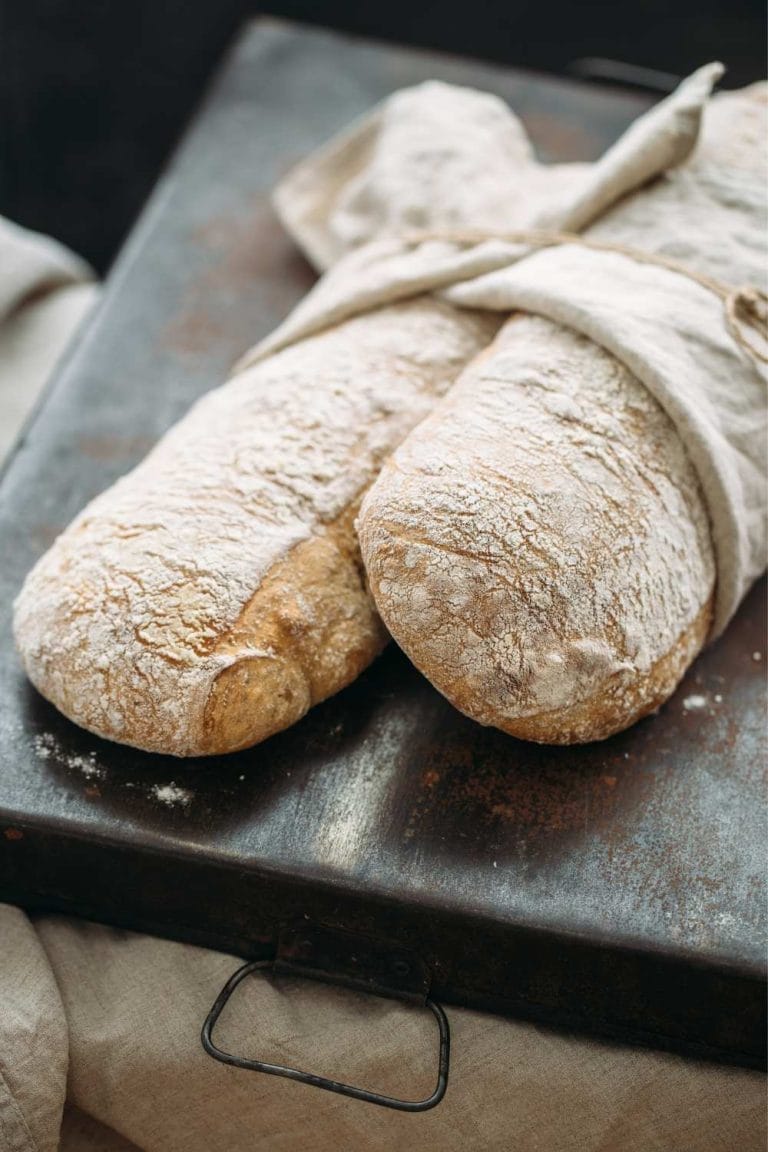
(99, 1029)
(45, 291)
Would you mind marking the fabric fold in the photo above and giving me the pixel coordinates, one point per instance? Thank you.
(407, 171)
(32, 264)
(34, 1046)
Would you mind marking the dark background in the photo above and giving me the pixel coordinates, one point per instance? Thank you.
(94, 93)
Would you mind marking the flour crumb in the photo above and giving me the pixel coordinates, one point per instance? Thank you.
(46, 745)
(87, 765)
(757, 657)
(695, 703)
(241, 777)
(171, 794)
(718, 698)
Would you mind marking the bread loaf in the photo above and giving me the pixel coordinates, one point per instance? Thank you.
(540, 546)
(214, 594)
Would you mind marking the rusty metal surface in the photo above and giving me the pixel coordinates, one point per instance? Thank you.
(617, 888)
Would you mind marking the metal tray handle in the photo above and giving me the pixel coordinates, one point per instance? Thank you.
(321, 1081)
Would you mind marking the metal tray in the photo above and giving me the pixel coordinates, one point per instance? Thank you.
(617, 888)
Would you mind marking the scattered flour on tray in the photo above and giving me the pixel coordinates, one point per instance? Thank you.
(46, 745)
(171, 794)
(695, 703)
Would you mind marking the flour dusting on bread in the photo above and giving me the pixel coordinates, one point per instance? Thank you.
(127, 622)
(541, 535)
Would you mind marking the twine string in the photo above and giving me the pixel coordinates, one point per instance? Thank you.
(745, 308)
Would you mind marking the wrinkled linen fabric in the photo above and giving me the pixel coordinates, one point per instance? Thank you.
(437, 159)
(123, 1012)
(33, 1040)
(99, 1028)
(45, 291)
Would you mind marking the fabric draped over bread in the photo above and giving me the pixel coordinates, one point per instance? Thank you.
(436, 159)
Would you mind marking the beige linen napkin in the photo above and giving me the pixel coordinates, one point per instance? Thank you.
(44, 293)
(138, 1077)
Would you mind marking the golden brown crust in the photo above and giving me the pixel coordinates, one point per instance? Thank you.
(214, 594)
(315, 619)
(539, 546)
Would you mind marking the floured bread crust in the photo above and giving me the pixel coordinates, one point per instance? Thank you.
(215, 593)
(621, 701)
(539, 545)
(314, 617)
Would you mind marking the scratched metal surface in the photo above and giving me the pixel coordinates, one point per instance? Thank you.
(617, 887)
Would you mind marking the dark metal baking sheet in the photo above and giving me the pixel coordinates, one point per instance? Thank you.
(617, 888)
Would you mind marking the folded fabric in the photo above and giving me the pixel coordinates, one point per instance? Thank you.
(45, 291)
(386, 204)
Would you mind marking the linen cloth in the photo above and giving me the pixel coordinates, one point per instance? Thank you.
(112, 1019)
(99, 1028)
(45, 291)
(436, 159)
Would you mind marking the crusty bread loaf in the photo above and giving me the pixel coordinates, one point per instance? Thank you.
(214, 594)
(539, 546)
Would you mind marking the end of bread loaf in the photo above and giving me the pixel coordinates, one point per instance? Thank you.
(309, 631)
(539, 546)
